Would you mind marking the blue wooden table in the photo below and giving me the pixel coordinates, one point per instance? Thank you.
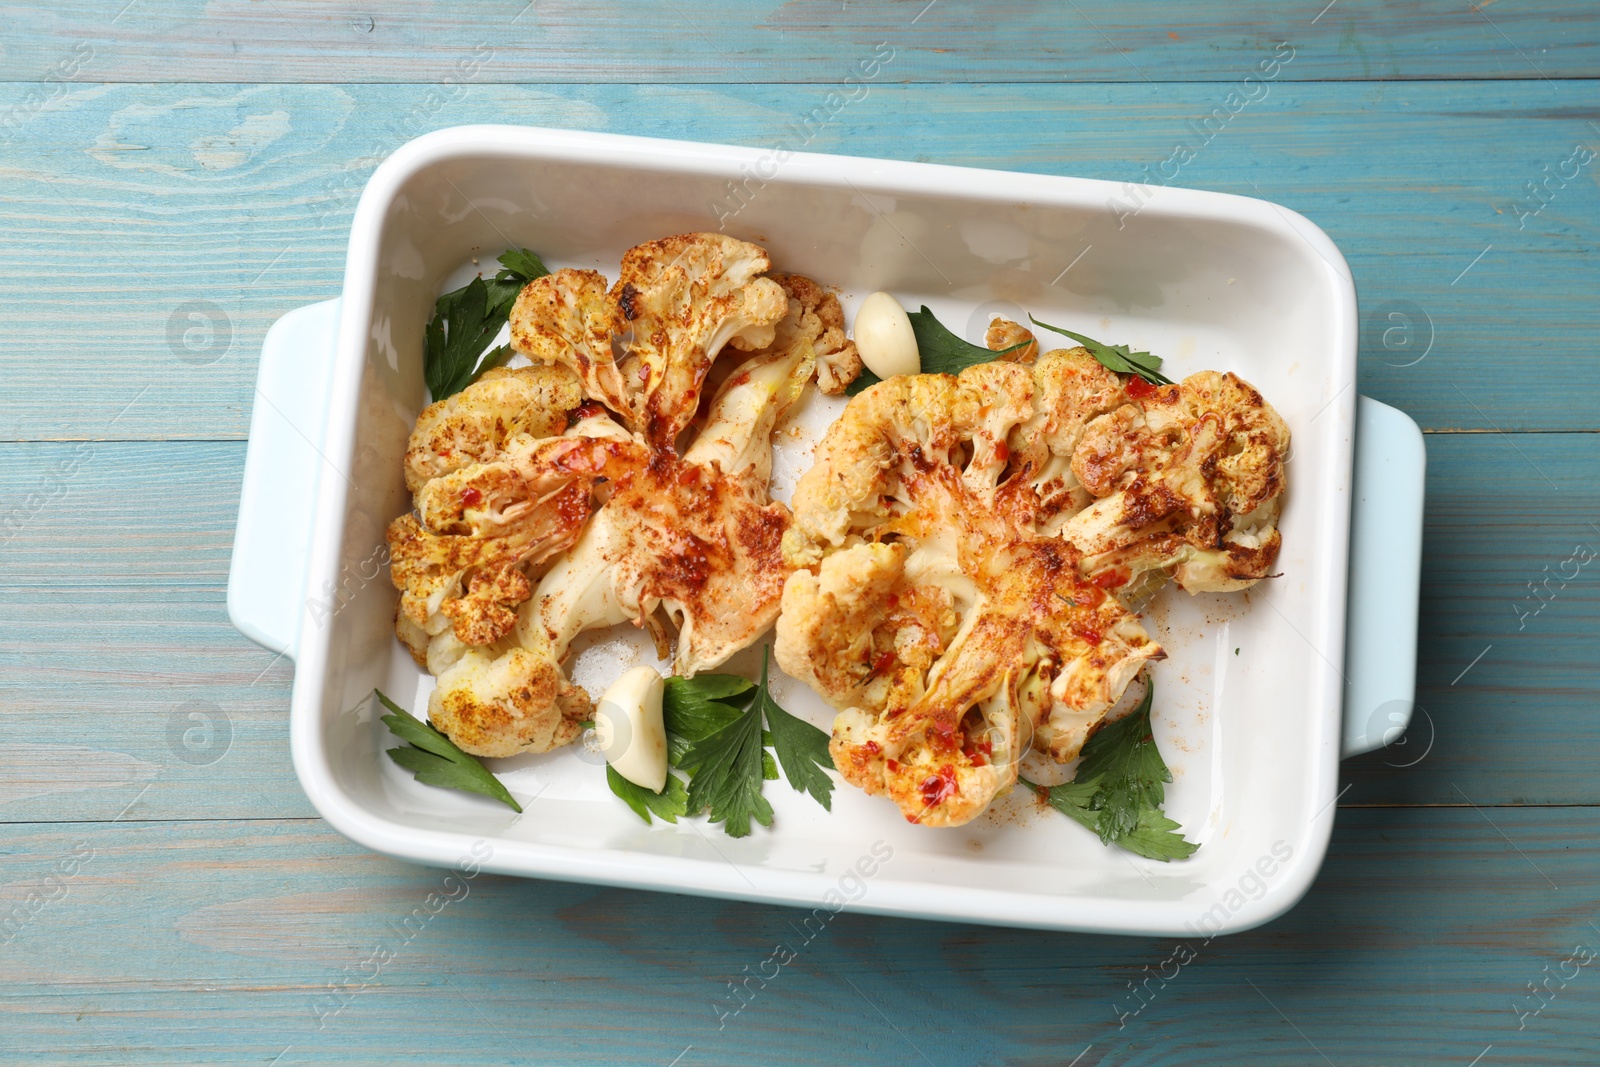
(174, 175)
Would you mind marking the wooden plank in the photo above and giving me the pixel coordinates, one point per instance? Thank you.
(793, 41)
(184, 942)
(1509, 657)
(154, 232)
(116, 593)
(122, 681)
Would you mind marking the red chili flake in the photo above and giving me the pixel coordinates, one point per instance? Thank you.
(471, 498)
(882, 664)
(937, 787)
(1001, 452)
(1112, 578)
(893, 765)
(1089, 634)
(1140, 389)
(872, 748)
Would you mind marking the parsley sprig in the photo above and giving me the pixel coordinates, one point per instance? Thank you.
(715, 735)
(435, 760)
(1117, 357)
(1120, 786)
(940, 351)
(466, 320)
(722, 754)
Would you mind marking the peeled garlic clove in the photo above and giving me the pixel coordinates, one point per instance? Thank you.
(884, 338)
(628, 726)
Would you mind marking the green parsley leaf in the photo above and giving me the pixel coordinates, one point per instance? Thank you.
(940, 351)
(518, 268)
(461, 329)
(695, 708)
(1117, 357)
(1157, 837)
(1124, 756)
(714, 733)
(465, 320)
(437, 761)
(1119, 788)
(1072, 799)
(801, 747)
(521, 264)
(671, 802)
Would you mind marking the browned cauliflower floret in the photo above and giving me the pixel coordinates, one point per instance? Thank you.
(816, 319)
(462, 429)
(939, 619)
(539, 516)
(1190, 477)
(644, 348)
(507, 506)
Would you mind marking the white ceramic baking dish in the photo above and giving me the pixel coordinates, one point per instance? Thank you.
(1249, 704)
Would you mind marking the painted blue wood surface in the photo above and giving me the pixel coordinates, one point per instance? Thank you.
(228, 942)
(208, 912)
(740, 41)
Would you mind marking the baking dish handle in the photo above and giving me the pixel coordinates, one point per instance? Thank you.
(282, 466)
(1380, 660)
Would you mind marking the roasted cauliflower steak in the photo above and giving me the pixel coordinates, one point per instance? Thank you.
(964, 545)
(930, 606)
(540, 514)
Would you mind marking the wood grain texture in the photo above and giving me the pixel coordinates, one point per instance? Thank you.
(794, 41)
(114, 576)
(1506, 580)
(120, 633)
(196, 215)
(230, 942)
